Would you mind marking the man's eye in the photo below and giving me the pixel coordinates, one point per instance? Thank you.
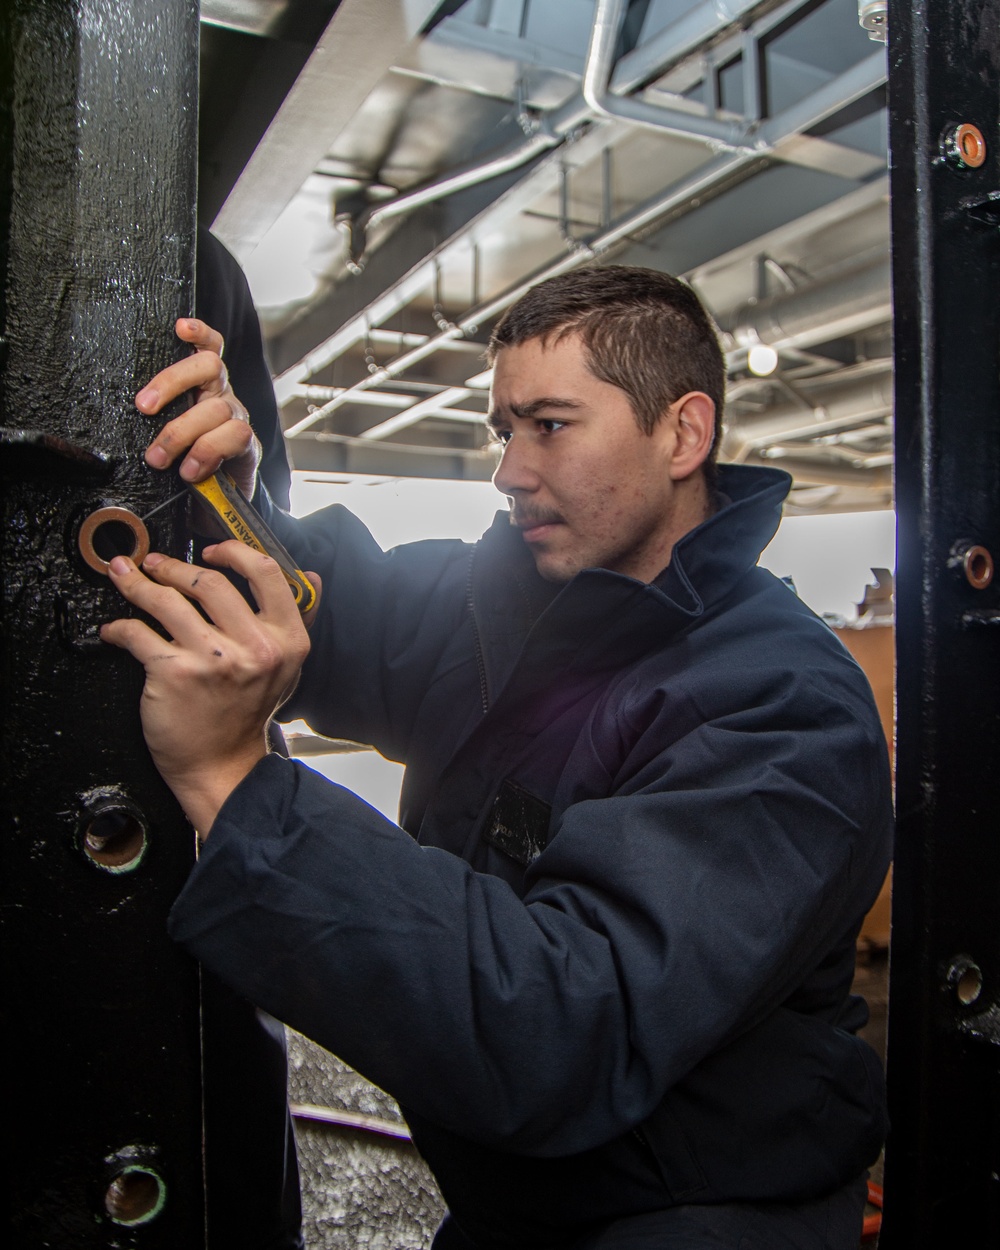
(550, 426)
(501, 436)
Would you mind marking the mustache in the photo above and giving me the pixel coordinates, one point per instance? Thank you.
(528, 520)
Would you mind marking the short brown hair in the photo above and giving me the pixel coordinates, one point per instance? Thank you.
(645, 332)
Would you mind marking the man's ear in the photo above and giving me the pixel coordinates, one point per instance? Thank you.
(694, 420)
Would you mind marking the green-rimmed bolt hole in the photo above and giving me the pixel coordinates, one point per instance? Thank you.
(113, 834)
(135, 1196)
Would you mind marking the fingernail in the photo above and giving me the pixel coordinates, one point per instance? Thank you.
(156, 457)
(192, 324)
(120, 565)
(152, 560)
(189, 469)
(148, 397)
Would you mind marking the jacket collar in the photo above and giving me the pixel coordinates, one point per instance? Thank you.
(711, 558)
(602, 619)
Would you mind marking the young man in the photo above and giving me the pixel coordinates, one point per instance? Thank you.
(605, 964)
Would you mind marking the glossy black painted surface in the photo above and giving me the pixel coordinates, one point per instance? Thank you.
(943, 1158)
(102, 1090)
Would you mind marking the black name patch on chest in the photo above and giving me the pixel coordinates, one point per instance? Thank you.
(519, 823)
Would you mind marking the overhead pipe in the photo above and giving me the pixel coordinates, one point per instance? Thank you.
(809, 472)
(804, 115)
(837, 407)
(330, 349)
(595, 102)
(377, 399)
(854, 455)
(431, 406)
(852, 300)
(539, 137)
(698, 27)
(602, 103)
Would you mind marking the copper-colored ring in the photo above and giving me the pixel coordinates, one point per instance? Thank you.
(977, 564)
(101, 517)
(970, 146)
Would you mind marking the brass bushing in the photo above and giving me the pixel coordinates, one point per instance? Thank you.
(967, 146)
(112, 516)
(977, 564)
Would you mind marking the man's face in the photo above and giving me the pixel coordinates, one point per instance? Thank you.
(587, 488)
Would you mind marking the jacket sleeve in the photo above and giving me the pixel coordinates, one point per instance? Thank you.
(660, 923)
(385, 621)
(223, 300)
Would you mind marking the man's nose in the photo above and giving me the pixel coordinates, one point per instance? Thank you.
(515, 473)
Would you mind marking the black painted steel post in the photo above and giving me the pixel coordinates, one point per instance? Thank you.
(102, 1076)
(943, 1156)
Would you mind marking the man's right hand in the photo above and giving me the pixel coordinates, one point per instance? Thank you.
(215, 430)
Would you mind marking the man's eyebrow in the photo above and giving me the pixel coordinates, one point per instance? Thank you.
(496, 420)
(527, 411)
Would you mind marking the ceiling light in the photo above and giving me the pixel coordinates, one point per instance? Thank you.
(762, 360)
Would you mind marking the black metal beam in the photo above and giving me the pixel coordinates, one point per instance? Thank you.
(100, 1014)
(244, 80)
(943, 1158)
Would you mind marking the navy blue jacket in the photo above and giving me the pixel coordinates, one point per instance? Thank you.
(609, 971)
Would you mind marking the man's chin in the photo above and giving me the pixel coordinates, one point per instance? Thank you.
(551, 569)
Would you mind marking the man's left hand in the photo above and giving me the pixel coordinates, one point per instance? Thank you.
(214, 684)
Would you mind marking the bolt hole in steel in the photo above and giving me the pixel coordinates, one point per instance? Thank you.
(977, 564)
(114, 835)
(135, 1196)
(113, 538)
(966, 145)
(110, 532)
(966, 980)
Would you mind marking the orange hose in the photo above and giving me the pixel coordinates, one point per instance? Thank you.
(873, 1223)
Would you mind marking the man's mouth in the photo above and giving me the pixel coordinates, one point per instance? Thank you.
(536, 528)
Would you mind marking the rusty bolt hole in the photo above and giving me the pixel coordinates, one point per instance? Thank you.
(978, 565)
(135, 1196)
(115, 839)
(110, 532)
